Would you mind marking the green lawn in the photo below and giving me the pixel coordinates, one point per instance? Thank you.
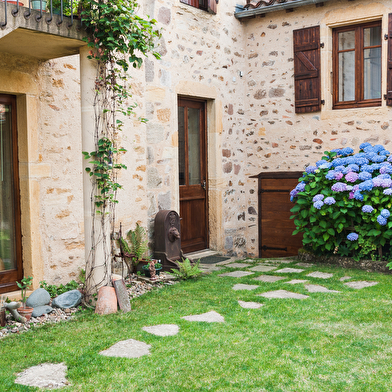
(327, 342)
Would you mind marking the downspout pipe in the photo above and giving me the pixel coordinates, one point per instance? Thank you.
(242, 13)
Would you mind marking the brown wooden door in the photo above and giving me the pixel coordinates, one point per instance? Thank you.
(10, 232)
(192, 167)
(275, 225)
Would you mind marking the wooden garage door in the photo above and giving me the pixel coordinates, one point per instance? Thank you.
(275, 225)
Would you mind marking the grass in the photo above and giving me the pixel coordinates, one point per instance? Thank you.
(327, 342)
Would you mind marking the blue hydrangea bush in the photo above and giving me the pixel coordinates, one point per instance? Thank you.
(343, 204)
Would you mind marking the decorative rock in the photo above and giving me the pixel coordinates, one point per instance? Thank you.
(41, 310)
(107, 301)
(296, 281)
(360, 284)
(39, 297)
(345, 278)
(262, 268)
(46, 375)
(245, 286)
(237, 274)
(162, 329)
(122, 295)
(305, 265)
(250, 305)
(209, 317)
(315, 288)
(282, 294)
(289, 270)
(269, 278)
(237, 265)
(321, 275)
(70, 299)
(127, 349)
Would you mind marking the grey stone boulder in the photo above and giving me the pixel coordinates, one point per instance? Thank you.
(70, 299)
(41, 310)
(38, 297)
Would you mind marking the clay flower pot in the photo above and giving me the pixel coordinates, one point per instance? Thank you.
(25, 312)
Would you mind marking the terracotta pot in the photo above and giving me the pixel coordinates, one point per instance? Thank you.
(25, 312)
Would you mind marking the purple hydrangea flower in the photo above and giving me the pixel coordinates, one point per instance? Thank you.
(349, 187)
(384, 169)
(318, 197)
(318, 204)
(385, 213)
(381, 220)
(387, 191)
(351, 195)
(311, 169)
(329, 200)
(330, 175)
(338, 176)
(352, 237)
(351, 177)
(339, 187)
(367, 208)
(300, 187)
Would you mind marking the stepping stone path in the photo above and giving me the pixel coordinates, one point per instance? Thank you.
(289, 270)
(127, 349)
(345, 278)
(250, 305)
(262, 268)
(296, 281)
(321, 275)
(315, 288)
(209, 317)
(162, 329)
(269, 278)
(360, 284)
(237, 274)
(46, 375)
(238, 265)
(306, 265)
(282, 294)
(279, 261)
(241, 286)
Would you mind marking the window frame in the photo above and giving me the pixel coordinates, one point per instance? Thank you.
(359, 101)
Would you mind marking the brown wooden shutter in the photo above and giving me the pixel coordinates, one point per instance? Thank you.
(212, 6)
(307, 78)
(193, 3)
(389, 67)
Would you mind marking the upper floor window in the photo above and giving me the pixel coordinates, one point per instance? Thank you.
(357, 66)
(206, 5)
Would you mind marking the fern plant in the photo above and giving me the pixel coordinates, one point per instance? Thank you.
(187, 270)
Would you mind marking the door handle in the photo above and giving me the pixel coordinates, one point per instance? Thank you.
(203, 184)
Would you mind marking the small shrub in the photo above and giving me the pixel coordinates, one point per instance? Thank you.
(187, 270)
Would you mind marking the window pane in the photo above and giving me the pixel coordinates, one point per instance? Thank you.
(194, 146)
(372, 73)
(181, 145)
(347, 40)
(346, 76)
(372, 36)
(7, 244)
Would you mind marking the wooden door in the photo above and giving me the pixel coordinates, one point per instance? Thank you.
(192, 161)
(10, 231)
(275, 225)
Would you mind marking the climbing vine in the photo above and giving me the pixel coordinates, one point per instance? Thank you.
(118, 39)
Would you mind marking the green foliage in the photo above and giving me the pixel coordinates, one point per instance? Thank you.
(54, 290)
(24, 285)
(187, 270)
(137, 242)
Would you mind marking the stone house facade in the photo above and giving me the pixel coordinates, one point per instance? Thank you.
(229, 71)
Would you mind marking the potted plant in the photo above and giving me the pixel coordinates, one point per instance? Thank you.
(133, 247)
(24, 285)
(146, 269)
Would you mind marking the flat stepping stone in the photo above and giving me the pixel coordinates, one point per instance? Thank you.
(282, 294)
(360, 284)
(250, 305)
(269, 278)
(296, 281)
(280, 261)
(46, 375)
(209, 317)
(245, 286)
(262, 268)
(305, 265)
(315, 288)
(289, 270)
(237, 274)
(127, 349)
(237, 265)
(345, 278)
(321, 275)
(163, 329)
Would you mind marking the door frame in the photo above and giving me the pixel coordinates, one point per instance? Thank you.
(204, 166)
(8, 278)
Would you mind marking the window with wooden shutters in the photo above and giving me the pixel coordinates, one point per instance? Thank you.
(206, 5)
(389, 67)
(307, 70)
(357, 66)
